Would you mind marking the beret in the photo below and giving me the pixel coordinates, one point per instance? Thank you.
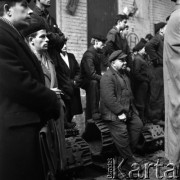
(36, 23)
(158, 26)
(139, 45)
(99, 37)
(116, 55)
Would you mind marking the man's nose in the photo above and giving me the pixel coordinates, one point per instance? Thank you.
(30, 11)
(46, 39)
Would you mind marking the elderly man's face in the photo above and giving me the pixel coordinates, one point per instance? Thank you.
(20, 14)
(46, 3)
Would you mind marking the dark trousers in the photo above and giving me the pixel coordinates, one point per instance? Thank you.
(141, 98)
(126, 135)
(92, 98)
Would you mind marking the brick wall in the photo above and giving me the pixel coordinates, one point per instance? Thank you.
(74, 26)
(149, 12)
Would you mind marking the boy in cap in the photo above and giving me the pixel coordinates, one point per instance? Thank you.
(91, 75)
(171, 86)
(154, 49)
(117, 109)
(25, 103)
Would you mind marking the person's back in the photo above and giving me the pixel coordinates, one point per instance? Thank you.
(25, 103)
(171, 69)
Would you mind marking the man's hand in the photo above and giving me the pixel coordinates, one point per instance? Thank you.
(122, 117)
(57, 91)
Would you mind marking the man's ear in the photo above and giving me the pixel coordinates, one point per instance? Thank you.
(7, 9)
(30, 40)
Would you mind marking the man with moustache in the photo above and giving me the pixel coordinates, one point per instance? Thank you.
(25, 103)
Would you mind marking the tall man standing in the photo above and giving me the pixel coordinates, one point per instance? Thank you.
(154, 48)
(25, 103)
(172, 85)
(91, 75)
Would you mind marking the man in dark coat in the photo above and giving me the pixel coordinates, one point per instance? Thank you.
(91, 75)
(154, 48)
(117, 109)
(25, 103)
(114, 40)
(141, 78)
(71, 70)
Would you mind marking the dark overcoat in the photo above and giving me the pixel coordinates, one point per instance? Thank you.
(24, 104)
(90, 67)
(73, 73)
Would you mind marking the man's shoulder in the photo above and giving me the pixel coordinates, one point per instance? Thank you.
(113, 31)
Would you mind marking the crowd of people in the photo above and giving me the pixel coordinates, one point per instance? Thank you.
(39, 80)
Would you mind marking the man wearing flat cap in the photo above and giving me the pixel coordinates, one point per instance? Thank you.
(172, 86)
(91, 75)
(117, 109)
(25, 102)
(154, 48)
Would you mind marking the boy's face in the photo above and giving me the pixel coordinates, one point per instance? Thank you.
(19, 14)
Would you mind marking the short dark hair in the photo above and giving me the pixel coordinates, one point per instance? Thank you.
(149, 36)
(33, 35)
(120, 17)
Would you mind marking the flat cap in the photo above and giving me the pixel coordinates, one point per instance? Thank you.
(117, 55)
(99, 37)
(158, 26)
(36, 23)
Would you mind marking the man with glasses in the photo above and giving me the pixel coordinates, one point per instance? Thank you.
(25, 103)
(117, 109)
